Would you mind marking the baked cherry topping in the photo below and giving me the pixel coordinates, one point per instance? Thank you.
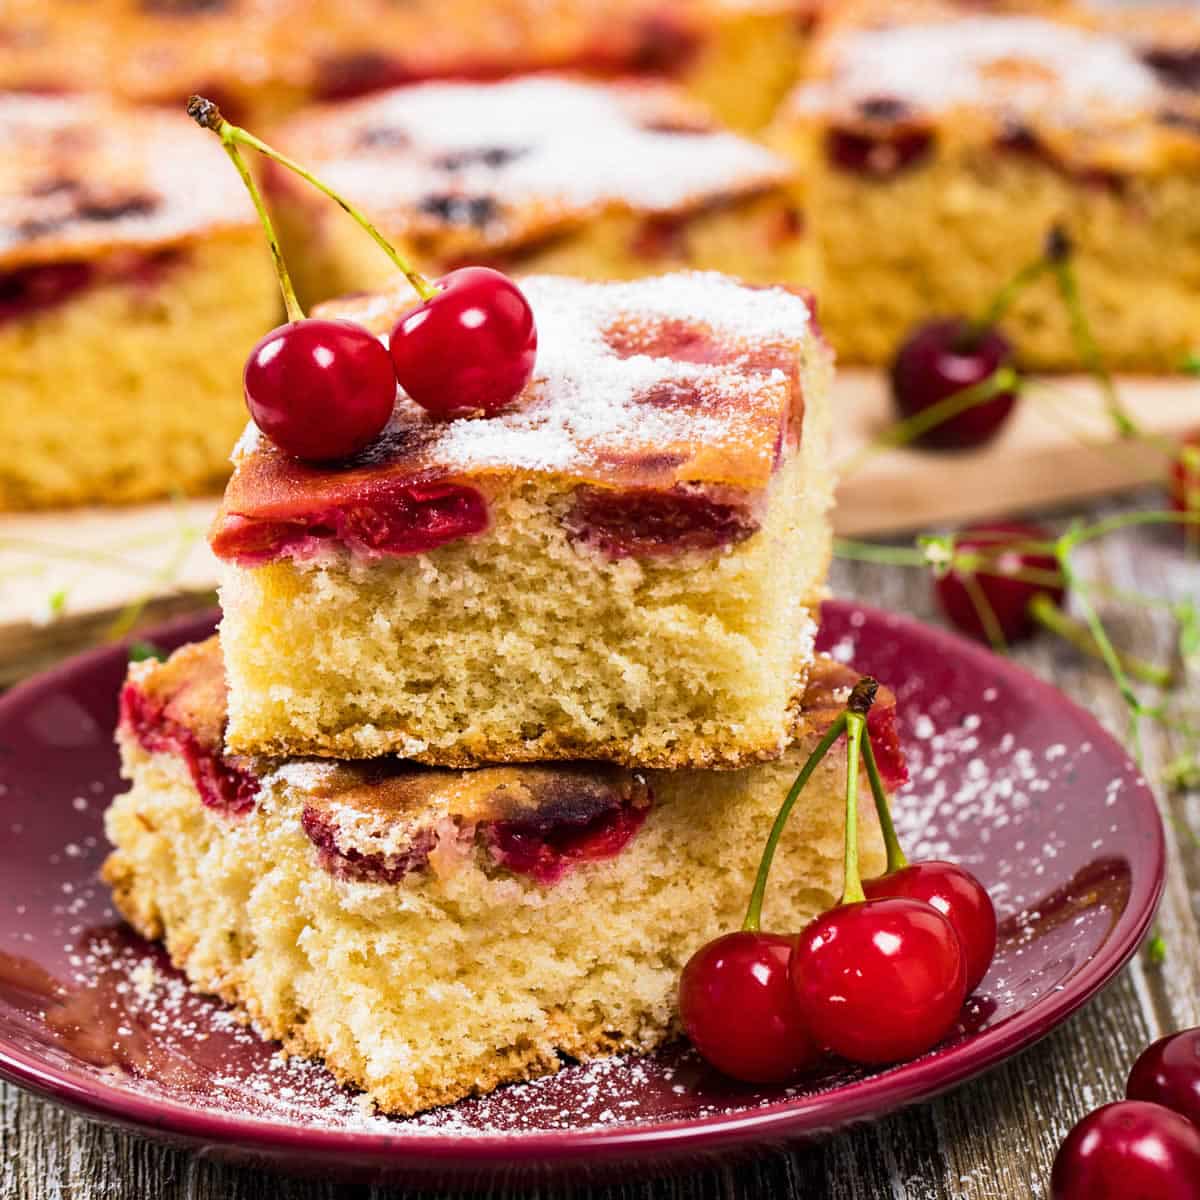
(546, 851)
(1185, 482)
(1016, 570)
(1128, 1150)
(1168, 1073)
(736, 1006)
(879, 981)
(222, 784)
(643, 523)
(320, 390)
(958, 896)
(394, 519)
(33, 289)
(882, 154)
(470, 348)
(349, 862)
(942, 358)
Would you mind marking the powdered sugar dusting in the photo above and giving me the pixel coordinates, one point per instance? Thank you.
(544, 141)
(1025, 64)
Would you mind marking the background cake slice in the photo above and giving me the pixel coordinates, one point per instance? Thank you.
(535, 174)
(432, 934)
(132, 280)
(937, 149)
(623, 565)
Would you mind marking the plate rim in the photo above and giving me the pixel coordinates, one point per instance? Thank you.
(784, 1119)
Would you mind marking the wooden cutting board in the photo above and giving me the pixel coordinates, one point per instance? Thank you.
(73, 576)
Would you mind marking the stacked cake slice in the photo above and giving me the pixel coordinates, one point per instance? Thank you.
(503, 708)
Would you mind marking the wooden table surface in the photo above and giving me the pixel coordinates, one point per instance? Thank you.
(993, 1139)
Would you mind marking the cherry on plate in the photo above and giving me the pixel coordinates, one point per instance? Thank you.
(470, 349)
(320, 390)
(959, 897)
(1128, 1151)
(941, 358)
(1000, 583)
(737, 1007)
(1168, 1073)
(879, 981)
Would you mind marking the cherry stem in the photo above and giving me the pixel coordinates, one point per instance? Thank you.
(754, 910)
(857, 708)
(206, 114)
(897, 860)
(1003, 379)
(1003, 300)
(1047, 614)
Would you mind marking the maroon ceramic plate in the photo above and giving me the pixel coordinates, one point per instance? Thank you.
(1008, 778)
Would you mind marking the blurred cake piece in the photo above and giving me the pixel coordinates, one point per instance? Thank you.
(537, 174)
(624, 565)
(432, 934)
(133, 280)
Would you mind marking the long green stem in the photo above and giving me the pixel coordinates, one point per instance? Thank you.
(1004, 300)
(1047, 614)
(852, 888)
(205, 113)
(754, 909)
(897, 860)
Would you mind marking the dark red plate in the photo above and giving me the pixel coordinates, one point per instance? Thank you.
(1008, 777)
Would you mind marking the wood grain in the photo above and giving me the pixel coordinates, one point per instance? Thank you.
(990, 1140)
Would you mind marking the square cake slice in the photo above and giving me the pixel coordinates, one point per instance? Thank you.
(938, 148)
(623, 565)
(432, 934)
(132, 279)
(541, 174)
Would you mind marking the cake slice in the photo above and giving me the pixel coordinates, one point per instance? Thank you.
(535, 174)
(937, 149)
(624, 565)
(132, 279)
(431, 933)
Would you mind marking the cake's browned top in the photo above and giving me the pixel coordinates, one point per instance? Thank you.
(1086, 92)
(686, 378)
(80, 177)
(476, 167)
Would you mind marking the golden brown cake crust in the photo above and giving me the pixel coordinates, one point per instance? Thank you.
(689, 378)
(81, 177)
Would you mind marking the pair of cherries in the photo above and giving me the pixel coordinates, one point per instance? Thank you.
(322, 389)
(1147, 1145)
(764, 1007)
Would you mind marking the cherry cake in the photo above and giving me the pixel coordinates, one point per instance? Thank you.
(132, 278)
(624, 564)
(434, 933)
(938, 147)
(535, 174)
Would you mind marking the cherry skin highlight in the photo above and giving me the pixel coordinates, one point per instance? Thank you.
(320, 390)
(879, 981)
(737, 1007)
(941, 358)
(1008, 597)
(1128, 1151)
(959, 897)
(1168, 1073)
(469, 350)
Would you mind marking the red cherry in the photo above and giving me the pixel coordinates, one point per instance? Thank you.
(1009, 598)
(470, 349)
(940, 358)
(880, 980)
(959, 897)
(736, 1005)
(320, 390)
(1168, 1073)
(1128, 1151)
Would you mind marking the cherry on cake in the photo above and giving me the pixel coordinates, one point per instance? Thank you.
(623, 564)
(432, 933)
(132, 278)
(535, 174)
(937, 149)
